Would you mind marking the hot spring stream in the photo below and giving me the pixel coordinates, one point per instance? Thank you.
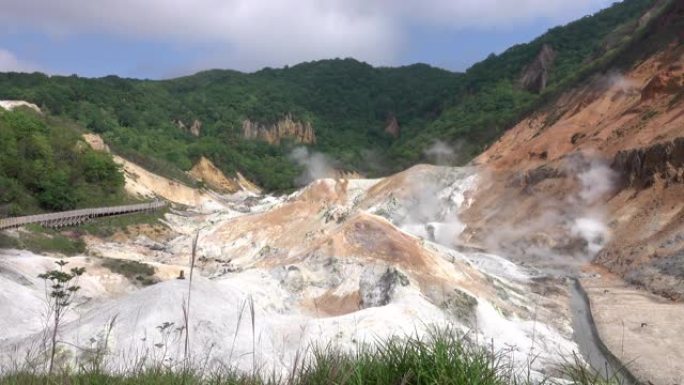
(590, 345)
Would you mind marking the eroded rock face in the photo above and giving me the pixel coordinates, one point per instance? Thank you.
(12, 104)
(639, 167)
(460, 304)
(393, 127)
(529, 178)
(662, 83)
(96, 142)
(378, 284)
(206, 172)
(301, 132)
(536, 74)
(290, 277)
(632, 121)
(195, 128)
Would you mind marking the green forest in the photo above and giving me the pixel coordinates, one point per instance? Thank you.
(46, 166)
(346, 101)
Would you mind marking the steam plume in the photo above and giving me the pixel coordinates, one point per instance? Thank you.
(316, 165)
(441, 153)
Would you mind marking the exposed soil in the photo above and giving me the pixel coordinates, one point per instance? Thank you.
(643, 330)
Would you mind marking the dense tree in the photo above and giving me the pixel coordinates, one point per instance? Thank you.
(347, 102)
(44, 165)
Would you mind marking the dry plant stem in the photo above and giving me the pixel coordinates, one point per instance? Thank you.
(186, 308)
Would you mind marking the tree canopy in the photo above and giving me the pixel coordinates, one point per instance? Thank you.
(346, 101)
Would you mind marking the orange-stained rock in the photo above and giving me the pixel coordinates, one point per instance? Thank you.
(205, 171)
(635, 123)
(301, 132)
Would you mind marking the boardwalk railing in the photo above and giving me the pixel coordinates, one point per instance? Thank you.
(74, 217)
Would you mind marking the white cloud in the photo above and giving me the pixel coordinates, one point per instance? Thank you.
(10, 63)
(490, 13)
(252, 33)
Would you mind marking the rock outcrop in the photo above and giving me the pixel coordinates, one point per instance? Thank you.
(393, 127)
(144, 184)
(377, 285)
(247, 184)
(536, 74)
(195, 128)
(205, 171)
(638, 133)
(301, 132)
(641, 166)
(12, 104)
(662, 83)
(96, 142)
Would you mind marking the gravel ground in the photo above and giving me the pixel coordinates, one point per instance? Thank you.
(643, 330)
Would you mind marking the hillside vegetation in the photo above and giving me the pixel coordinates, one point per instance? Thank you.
(45, 166)
(348, 103)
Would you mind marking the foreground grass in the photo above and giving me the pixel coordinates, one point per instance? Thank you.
(443, 359)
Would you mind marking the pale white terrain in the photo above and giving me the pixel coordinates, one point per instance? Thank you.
(341, 262)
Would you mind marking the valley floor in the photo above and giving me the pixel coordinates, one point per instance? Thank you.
(340, 263)
(644, 331)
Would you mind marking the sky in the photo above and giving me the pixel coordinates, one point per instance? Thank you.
(159, 39)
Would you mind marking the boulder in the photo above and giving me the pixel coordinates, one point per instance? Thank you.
(378, 283)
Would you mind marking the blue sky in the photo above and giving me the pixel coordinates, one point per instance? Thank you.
(167, 38)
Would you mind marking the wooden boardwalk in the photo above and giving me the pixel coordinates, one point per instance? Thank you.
(75, 217)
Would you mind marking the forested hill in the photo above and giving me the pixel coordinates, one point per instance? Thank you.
(46, 166)
(374, 120)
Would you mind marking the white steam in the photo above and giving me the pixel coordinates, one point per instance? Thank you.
(558, 231)
(441, 153)
(432, 206)
(597, 181)
(593, 231)
(622, 83)
(316, 165)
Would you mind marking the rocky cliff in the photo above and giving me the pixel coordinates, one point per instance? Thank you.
(143, 184)
(195, 128)
(610, 151)
(205, 171)
(301, 132)
(12, 104)
(536, 74)
(642, 167)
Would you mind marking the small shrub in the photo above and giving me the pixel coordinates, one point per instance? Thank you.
(61, 286)
(136, 272)
(107, 226)
(55, 243)
(9, 242)
(44, 241)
